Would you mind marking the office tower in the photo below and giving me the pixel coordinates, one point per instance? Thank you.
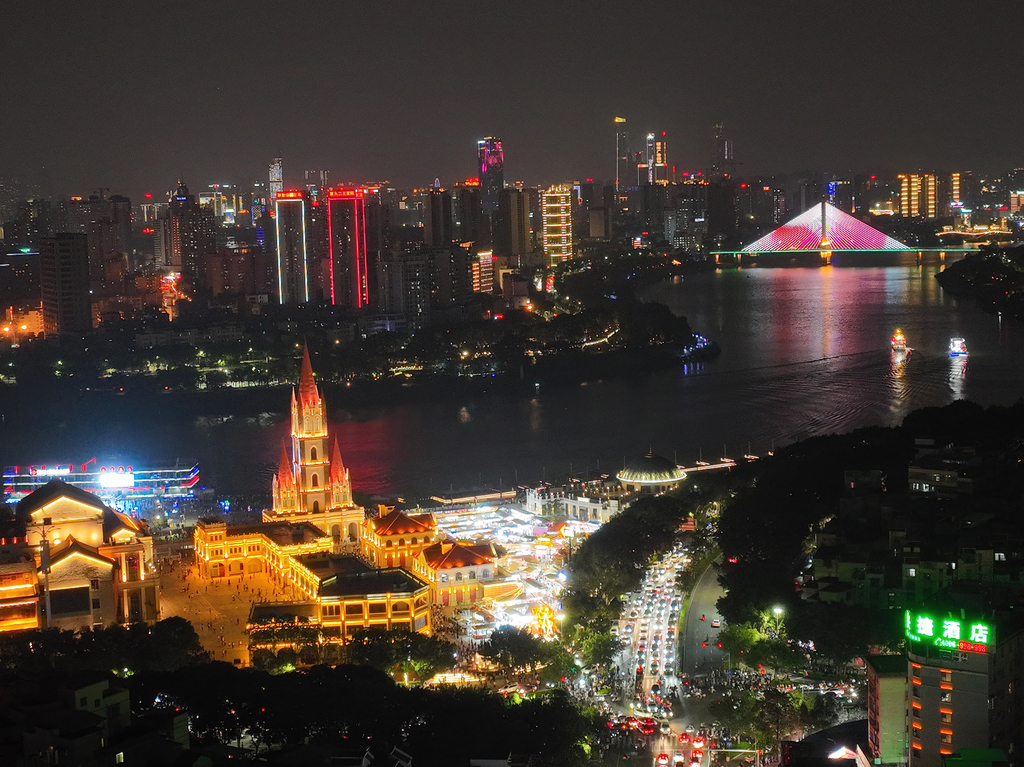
(348, 282)
(191, 236)
(64, 283)
(661, 158)
(468, 215)
(556, 218)
(621, 151)
(293, 278)
(512, 225)
(437, 219)
(490, 163)
(315, 181)
(918, 195)
(725, 161)
(276, 178)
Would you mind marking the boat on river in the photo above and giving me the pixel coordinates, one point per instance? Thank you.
(899, 341)
(957, 347)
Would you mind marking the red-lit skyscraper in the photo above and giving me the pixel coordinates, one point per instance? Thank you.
(346, 274)
(293, 278)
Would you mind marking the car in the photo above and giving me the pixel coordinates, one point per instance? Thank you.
(716, 623)
(691, 729)
(697, 754)
(684, 737)
(666, 729)
(661, 760)
(698, 742)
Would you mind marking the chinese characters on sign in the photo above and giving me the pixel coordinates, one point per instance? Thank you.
(949, 633)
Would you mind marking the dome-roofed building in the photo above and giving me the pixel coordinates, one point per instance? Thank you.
(650, 475)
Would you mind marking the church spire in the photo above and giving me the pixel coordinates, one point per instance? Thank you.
(285, 478)
(337, 466)
(307, 385)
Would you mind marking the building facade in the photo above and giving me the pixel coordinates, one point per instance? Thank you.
(64, 282)
(556, 218)
(347, 273)
(293, 267)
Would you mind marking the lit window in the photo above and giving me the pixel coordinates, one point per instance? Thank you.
(946, 717)
(946, 697)
(119, 758)
(911, 572)
(946, 737)
(945, 676)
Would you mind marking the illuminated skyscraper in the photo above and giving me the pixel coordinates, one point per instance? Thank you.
(348, 267)
(191, 236)
(276, 177)
(725, 160)
(556, 217)
(491, 164)
(293, 278)
(621, 151)
(918, 195)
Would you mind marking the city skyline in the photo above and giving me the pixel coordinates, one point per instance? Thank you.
(104, 113)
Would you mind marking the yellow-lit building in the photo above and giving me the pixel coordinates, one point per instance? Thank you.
(462, 574)
(80, 564)
(919, 195)
(556, 222)
(340, 570)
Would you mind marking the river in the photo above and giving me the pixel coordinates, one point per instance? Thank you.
(804, 352)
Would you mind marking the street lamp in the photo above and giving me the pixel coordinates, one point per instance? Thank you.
(778, 621)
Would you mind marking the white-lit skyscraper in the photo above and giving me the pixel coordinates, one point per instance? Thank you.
(293, 278)
(276, 177)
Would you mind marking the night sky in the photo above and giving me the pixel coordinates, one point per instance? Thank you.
(128, 95)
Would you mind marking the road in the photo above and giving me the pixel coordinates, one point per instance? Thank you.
(697, 659)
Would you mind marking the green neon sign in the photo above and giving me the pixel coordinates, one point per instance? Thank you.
(949, 633)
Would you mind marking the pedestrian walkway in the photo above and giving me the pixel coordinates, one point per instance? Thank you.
(218, 610)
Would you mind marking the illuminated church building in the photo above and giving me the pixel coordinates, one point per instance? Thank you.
(313, 485)
(341, 568)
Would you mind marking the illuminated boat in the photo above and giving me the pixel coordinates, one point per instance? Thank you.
(957, 347)
(899, 341)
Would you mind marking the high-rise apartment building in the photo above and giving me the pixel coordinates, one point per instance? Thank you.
(191, 236)
(425, 283)
(491, 164)
(919, 195)
(437, 219)
(556, 222)
(291, 241)
(512, 227)
(107, 222)
(348, 268)
(64, 280)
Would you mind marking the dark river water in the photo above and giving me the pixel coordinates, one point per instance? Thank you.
(804, 351)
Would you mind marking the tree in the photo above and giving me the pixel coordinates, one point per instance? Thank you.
(400, 651)
(513, 648)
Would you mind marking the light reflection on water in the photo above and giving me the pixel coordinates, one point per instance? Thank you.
(804, 351)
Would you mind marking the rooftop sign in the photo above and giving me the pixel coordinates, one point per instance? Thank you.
(949, 633)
